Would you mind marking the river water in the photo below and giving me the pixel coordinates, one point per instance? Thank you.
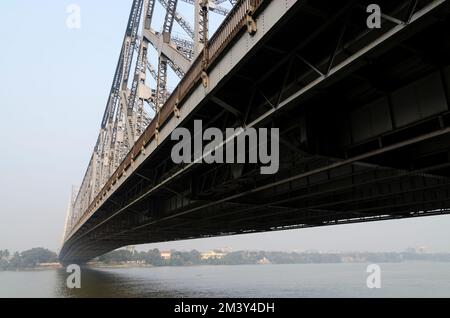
(421, 279)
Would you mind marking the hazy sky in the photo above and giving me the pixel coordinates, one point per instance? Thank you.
(54, 85)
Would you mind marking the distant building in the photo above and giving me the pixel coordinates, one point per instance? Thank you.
(312, 251)
(264, 261)
(225, 250)
(355, 258)
(422, 249)
(213, 255)
(347, 259)
(166, 255)
(417, 250)
(141, 262)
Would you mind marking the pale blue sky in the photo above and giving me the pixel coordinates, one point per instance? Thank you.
(54, 85)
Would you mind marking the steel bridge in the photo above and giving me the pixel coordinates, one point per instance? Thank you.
(363, 116)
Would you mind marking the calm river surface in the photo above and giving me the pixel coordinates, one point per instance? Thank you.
(420, 279)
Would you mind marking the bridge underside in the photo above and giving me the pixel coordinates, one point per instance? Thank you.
(369, 142)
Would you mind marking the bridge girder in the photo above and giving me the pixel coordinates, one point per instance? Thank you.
(324, 179)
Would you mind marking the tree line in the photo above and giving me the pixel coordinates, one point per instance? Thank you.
(153, 257)
(26, 259)
(34, 257)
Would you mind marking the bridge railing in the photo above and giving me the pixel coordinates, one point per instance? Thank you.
(233, 24)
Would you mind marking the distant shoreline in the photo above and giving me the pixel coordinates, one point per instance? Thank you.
(119, 266)
(40, 259)
(130, 266)
(34, 269)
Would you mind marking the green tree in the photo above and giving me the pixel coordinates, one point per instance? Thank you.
(35, 256)
(185, 258)
(15, 262)
(195, 257)
(4, 264)
(153, 257)
(118, 256)
(4, 254)
(139, 256)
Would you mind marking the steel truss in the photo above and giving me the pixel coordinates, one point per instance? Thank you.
(132, 102)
